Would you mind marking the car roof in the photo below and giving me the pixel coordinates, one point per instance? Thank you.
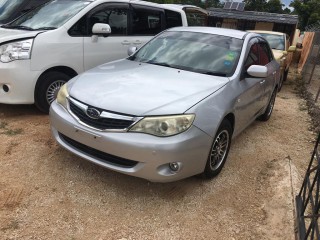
(268, 32)
(213, 30)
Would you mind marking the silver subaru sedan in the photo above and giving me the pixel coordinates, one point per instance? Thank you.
(170, 110)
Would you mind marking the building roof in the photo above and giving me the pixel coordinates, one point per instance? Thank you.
(253, 16)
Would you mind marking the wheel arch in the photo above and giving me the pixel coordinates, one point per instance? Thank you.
(64, 69)
(231, 118)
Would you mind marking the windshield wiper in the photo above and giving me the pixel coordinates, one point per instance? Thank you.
(220, 74)
(18, 27)
(45, 28)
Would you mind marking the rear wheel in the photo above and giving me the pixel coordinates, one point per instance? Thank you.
(47, 89)
(267, 114)
(281, 82)
(285, 75)
(219, 150)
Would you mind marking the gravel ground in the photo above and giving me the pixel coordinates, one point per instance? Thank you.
(48, 193)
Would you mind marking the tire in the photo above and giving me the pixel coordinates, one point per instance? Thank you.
(285, 75)
(281, 82)
(47, 89)
(267, 114)
(221, 143)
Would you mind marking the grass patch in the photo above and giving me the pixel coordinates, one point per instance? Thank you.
(313, 109)
(8, 131)
(13, 132)
(3, 125)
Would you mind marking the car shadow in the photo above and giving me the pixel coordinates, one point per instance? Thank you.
(18, 110)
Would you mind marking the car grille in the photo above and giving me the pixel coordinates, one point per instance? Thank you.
(100, 123)
(102, 156)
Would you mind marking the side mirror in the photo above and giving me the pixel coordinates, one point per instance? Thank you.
(292, 49)
(258, 71)
(132, 50)
(101, 29)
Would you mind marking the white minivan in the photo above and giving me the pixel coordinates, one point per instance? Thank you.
(46, 47)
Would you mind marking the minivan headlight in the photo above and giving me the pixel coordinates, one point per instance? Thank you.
(164, 126)
(16, 51)
(62, 96)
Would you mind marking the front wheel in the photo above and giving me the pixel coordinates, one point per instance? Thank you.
(219, 150)
(47, 89)
(267, 114)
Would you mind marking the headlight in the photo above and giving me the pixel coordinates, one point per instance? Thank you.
(164, 126)
(16, 51)
(62, 96)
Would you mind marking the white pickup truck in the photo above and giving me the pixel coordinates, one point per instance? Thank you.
(46, 47)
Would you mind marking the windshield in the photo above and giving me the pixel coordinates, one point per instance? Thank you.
(275, 41)
(49, 16)
(196, 52)
(7, 8)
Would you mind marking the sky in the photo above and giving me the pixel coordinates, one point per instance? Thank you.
(286, 2)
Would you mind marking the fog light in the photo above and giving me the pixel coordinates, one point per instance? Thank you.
(174, 166)
(5, 88)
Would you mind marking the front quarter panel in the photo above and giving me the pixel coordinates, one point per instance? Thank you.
(211, 110)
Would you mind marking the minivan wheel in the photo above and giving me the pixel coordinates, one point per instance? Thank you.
(267, 114)
(219, 150)
(47, 89)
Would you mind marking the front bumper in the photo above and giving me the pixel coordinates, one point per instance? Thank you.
(152, 154)
(18, 81)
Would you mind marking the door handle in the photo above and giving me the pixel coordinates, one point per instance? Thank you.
(274, 72)
(263, 81)
(125, 42)
(137, 42)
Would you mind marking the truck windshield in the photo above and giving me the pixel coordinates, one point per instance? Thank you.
(7, 8)
(49, 16)
(275, 41)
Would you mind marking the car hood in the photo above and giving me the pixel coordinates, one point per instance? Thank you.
(7, 35)
(141, 89)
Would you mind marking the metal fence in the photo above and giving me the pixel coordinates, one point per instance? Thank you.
(311, 68)
(308, 200)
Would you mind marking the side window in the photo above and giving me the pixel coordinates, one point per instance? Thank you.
(173, 19)
(114, 15)
(79, 29)
(146, 21)
(253, 56)
(196, 17)
(264, 57)
(268, 51)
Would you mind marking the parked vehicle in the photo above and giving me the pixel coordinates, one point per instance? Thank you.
(46, 47)
(280, 44)
(11, 9)
(169, 111)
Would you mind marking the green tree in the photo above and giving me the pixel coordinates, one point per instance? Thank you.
(255, 5)
(286, 11)
(308, 12)
(274, 6)
(199, 3)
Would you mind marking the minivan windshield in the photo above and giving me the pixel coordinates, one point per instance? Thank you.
(49, 16)
(7, 8)
(192, 51)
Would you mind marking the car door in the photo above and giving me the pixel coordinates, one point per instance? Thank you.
(99, 49)
(266, 59)
(252, 89)
(145, 22)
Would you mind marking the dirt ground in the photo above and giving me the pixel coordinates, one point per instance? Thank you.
(48, 193)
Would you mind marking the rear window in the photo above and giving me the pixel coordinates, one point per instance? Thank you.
(196, 17)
